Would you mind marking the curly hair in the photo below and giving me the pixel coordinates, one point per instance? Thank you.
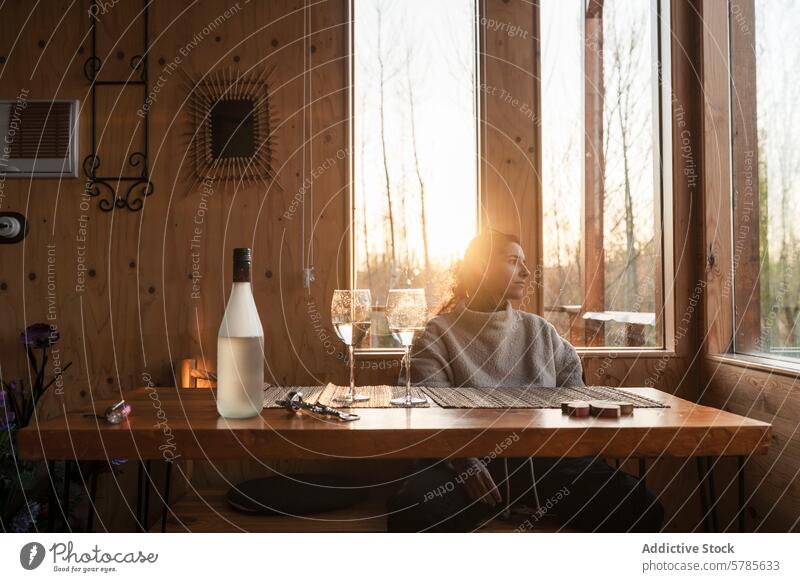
(471, 266)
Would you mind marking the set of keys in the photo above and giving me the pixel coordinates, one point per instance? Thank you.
(294, 402)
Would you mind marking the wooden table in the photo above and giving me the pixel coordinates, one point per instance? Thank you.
(169, 423)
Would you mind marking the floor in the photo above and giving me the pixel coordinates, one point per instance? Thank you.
(208, 511)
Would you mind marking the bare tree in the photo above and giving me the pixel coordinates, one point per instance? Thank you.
(382, 113)
(402, 189)
(624, 69)
(778, 173)
(417, 168)
(789, 164)
(364, 225)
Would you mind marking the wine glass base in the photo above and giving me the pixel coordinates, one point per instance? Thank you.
(350, 399)
(413, 401)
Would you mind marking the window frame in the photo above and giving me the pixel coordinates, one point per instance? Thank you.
(663, 181)
(663, 175)
(393, 352)
(722, 41)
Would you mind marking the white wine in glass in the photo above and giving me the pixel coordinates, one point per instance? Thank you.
(406, 311)
(350, 315)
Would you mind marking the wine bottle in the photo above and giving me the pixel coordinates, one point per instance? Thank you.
(240, 348)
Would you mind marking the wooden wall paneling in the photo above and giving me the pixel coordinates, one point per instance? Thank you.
(510, 193)
(120, 37)
(774, 499)
(683, 281)
(745, 179)
(293, 232)
(319, 145)
(241, 213)
(773, 490)
(120, 132)
(157, 242)
(329, 150)
(150, 306)
(44, 60)
(716, 185)
(683, 249)
(135, 314)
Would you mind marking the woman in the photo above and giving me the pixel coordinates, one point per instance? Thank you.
(479, 339)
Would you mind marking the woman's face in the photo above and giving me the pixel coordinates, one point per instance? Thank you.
(506, 274)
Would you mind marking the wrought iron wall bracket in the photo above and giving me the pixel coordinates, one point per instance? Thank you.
(126, 191)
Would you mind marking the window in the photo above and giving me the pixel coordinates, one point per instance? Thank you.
(602, 170)
(415, 155)
(765, 164)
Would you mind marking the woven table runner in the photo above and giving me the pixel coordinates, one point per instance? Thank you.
(533, 397)
(275, 393)
(379, 396)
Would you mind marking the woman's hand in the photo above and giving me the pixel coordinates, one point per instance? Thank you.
(477, 480)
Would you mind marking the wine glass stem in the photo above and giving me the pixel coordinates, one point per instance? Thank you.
(352, 373)
(408, 374)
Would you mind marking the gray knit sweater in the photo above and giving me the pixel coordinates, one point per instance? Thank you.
(494, 349)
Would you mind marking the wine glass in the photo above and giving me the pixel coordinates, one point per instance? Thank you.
(350, 315)
(406, 311)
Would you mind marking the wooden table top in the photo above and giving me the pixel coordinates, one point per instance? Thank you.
(183, 423)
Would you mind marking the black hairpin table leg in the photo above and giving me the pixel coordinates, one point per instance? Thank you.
(52, 499)
(701, 490)
(740, 479)
(642, 483)
(705, 476)
(712, 494)
(65, 497)
(139, 482)
(146, 509)
(165, 509)
(92, 508)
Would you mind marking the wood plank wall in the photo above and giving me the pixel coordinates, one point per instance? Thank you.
(510, 157)
(733, 383)
(135, 315)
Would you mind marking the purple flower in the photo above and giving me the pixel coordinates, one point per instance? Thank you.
(23, 521)
(39, 335)
(6, 419)
(6, 416)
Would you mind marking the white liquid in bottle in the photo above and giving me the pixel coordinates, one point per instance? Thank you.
(240, 348)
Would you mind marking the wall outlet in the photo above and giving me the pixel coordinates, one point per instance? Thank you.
(13, 227)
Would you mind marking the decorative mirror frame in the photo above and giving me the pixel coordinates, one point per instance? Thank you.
(230, 85)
